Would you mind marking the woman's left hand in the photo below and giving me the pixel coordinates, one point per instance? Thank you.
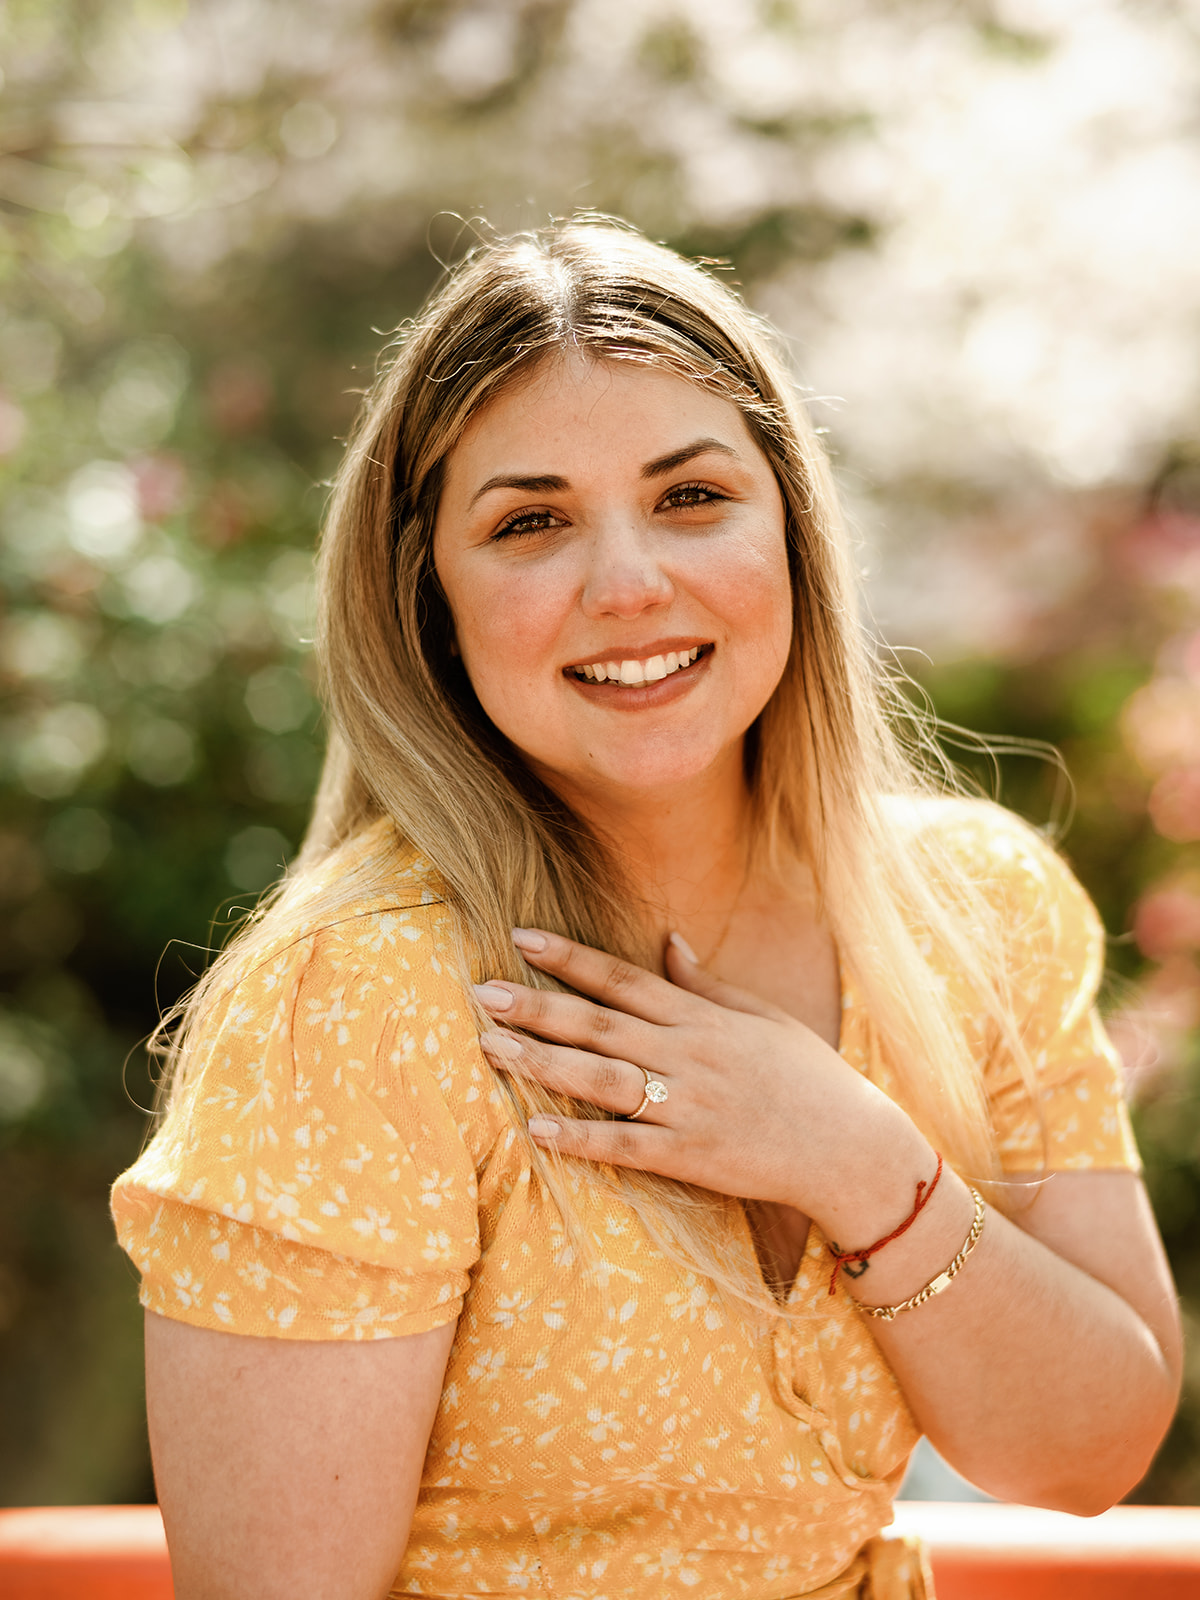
(757, 1105)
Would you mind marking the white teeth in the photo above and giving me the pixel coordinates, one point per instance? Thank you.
(636, 673)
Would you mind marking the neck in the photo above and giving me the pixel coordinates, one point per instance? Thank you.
(685, 851)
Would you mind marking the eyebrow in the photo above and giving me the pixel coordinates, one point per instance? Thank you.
(541, 483)
(661, 465)
(552, 482)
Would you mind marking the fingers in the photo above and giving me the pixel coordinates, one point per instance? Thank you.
(631, 989)
(621, 1144)
(613, 1085)
(686, 972)
(618, 984)
(567, 1019)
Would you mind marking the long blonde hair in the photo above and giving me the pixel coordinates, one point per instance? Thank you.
(827, 760)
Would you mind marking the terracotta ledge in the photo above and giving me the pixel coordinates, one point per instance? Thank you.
(84, 1553)
(979, 1552)
(998, 1552)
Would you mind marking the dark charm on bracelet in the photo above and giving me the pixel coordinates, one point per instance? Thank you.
(852, 1269)
(854, 1262)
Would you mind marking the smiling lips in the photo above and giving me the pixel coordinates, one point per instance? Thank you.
(635, 674)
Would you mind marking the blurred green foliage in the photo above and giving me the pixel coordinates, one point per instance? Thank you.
(204, 219)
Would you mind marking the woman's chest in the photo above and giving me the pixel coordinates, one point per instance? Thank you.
(626, 1366)
(781, 951)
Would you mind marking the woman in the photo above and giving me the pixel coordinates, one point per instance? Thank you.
(533, 1288)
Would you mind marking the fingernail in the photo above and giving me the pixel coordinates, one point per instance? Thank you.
(529, 940)
(684, 948)
(493, 998)
(544, 1128)
(501, 1044)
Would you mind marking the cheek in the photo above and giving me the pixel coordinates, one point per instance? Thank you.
(506, 626)
(753, 591)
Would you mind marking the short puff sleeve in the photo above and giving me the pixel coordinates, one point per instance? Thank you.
(1056, 944)
(315, 1176)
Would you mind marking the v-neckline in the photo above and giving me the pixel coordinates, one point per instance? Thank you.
(784, 1293)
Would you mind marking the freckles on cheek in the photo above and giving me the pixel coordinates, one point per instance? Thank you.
(757, 589)
(507, 635)
(756, 604)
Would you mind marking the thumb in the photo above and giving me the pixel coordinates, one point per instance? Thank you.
(684, 970)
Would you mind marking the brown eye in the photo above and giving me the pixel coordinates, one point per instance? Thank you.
(687, 495)
(526, 522)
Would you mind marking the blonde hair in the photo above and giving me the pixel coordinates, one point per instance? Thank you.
(828, 760)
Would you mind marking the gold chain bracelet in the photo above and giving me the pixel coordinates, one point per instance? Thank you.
(943, 1279)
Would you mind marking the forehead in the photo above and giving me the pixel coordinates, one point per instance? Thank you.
(570, 405)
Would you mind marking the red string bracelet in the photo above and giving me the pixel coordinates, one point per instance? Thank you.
(843, 1258)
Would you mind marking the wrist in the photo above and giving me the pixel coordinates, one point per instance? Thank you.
(871, 1189)
(856, 1261)
(910, 1262)
(940, 1281)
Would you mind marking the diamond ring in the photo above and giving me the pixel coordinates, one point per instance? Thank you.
(656, 1092)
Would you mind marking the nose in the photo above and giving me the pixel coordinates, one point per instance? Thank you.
(625, 575)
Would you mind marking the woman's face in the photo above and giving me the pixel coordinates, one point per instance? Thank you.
(610, 540)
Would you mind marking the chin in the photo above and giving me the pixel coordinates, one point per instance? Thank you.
(637, 779)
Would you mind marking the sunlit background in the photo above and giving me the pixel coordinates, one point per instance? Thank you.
(978, 225)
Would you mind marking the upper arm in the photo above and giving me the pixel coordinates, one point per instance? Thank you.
(288, 1468)
(1101, 1222)
(1066, 1126)
(305, 1220)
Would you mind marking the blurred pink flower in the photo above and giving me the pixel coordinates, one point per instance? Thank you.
(1164, 549)
(1150, 1030)
(224, 516)
(1160, 723)
(1190, 658)
(1174, 804)
(239, 394)
(1166, 921)
(161, 485)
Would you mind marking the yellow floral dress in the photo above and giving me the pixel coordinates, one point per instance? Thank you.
(343, 1166)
